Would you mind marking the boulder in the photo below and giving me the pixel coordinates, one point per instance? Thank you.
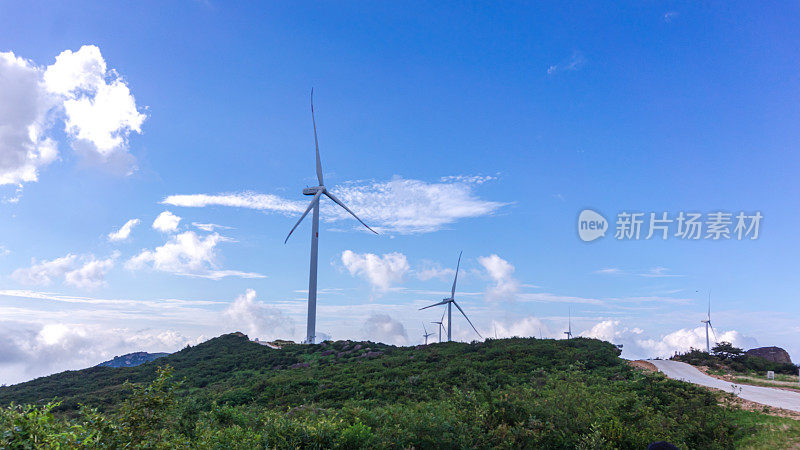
(774, 354)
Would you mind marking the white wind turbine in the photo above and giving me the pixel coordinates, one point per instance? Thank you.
(569, 330)
(708, 325)
(440, 327)
(317, 192)
(426, 333)
(450, 302)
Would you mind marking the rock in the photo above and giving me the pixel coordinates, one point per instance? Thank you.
(299, 365)
(357, 347)
(328, 352)
(371, 354)
(774, 354)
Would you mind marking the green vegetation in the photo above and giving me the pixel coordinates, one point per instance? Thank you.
(726, 358)
(229, 392)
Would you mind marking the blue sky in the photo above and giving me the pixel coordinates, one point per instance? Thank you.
(455, 126)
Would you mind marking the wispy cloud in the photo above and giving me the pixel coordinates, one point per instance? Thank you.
(576, 62)
(404, 206)
(123, 232)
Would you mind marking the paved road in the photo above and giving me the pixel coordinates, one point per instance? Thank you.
(778, 398)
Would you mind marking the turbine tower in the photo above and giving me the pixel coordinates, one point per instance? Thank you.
(317, 192)
(440, 330)
(708, 325)
(569, 330)
(426, 333)
(450, 302)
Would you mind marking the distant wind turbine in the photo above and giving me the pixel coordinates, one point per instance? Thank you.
(317, 192)
(440, 330)
(426, 333)
(450, 302)
(708, 325)
(569, 330)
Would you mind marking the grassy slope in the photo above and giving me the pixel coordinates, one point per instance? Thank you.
(521, 391)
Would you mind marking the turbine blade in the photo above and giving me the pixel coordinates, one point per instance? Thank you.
(453, 292)
(424, 329)
(709, 304)
(712, 331)
(443, 302)
(316, 144)
(465, 316)
(332, 197)
(310, 205)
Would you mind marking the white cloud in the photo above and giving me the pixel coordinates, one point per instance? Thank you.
(187, 254)
(658, 272)
(99, 109)
(95, 104)
(259, 320)
(575, 62)
(381, 271)
(88, 275)
(430, 270)
(24, 107)
(398, 205)
(609, 271)
(525, 327)
(91, 274)
(43, 273)
(166, 222)
(250, 200)
(637, 345)
(382, 328)
(209, 226)
(36, 349)
(501, 272)
(124, 231)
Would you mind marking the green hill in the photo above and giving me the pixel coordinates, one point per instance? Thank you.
(235, 393)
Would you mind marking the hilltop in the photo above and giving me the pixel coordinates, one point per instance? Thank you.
(132, 359)
(509, 392)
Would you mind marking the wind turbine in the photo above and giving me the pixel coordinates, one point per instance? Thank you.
(450, 302)
(708, 325)
(317, 192)
(440, 330)
(569, 330)
(426, 333)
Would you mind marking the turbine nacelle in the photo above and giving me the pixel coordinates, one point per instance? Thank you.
(313, 190)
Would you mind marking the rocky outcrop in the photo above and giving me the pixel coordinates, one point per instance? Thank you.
(774, 354)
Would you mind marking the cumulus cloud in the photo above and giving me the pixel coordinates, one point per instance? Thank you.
(501, 272)
(92, 274)
(166, 222)
(636, 344)
(85, 272)
(382, 328)
(380, 271)
(124, 231)
(397, 206)
(96, 106)
(525, 327)
(43, 273)
(36, 349)
(24, 119)
(257, 319)
(187, 254)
